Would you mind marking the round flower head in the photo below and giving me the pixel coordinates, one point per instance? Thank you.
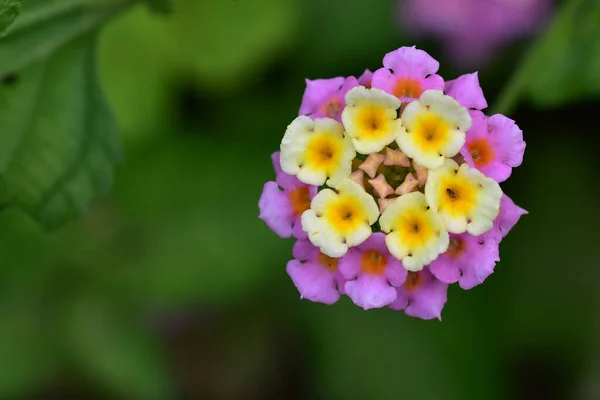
(372, 273)
(510, 213)
(416, 234)
(466, 90)
(464, 198)
(315, 275)
(282, 202)
(421, 296)
(317, 151)
(325, 97)
(494, 146)
(407, 73)
(371, 119)
(435, 127)
(469, 260)
(340, 220)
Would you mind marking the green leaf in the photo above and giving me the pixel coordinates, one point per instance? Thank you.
(59, 141)
(9, 10)
(563, 65)
(161, 6)
(115, 350)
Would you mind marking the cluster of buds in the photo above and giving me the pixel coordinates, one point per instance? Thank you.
(390, 185)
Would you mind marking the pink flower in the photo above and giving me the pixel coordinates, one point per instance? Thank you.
(407, 73)
(372, 273)
(466, 90)
(325, 97)
(315, 275)
(469, 260)
(473, 30)
(282, 202)
(509, 215)
(421, 296)
(494, 146)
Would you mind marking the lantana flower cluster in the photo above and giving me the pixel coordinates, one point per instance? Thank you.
(389, 184)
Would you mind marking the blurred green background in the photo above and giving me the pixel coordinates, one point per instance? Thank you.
(171, 287)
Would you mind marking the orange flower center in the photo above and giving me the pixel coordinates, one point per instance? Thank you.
(481, 151)
(413, 281)
(332, 108)
(300, 200)
(407, 88)
(328, 262)
(456, 248)
(373, 263)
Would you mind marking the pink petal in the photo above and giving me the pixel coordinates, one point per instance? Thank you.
(314, 282)
(322, 92)
(365, 79)
(370, 291)
(304, 250)
(509, 215)
(466, 90)
(410, 62)
(275, 210)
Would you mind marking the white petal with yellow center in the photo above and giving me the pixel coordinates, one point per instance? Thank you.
(371, 119)
(337, 221)
(416, 234)
(317, 151)
(435, 127)
(465, 199)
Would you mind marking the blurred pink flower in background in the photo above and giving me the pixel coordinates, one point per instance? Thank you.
(472, 30)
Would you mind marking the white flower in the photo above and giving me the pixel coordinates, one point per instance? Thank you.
(337, 221)
(465, 199)
(317, 151)
(416, 234)
(371, 119)
(435, 127)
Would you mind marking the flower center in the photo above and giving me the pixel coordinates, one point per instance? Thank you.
(413, 281)
(322, 152)
(373, 262)
(481, 151)
(415, 229)
(300, 200)
(431, 132)
(459, 196)
(328, 262)
(456, 247)
(372, 122)
(332, 108)
(407, 88)
(346, 215)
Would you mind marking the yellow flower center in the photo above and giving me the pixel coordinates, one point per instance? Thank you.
(459, 195)
(413, 281)
(323, 151)
(481, 151)
(328, 262)
(372, 122)
(300, 200)
(373, 263)
(432, 132)
(345, 215)
(415, 228)
(456, 247)
(407, 88)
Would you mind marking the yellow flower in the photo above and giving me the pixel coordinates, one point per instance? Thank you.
(337, 221)
(435, 127)
(416, 234)
(465, 199)
(317, 151)
(371, 119)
